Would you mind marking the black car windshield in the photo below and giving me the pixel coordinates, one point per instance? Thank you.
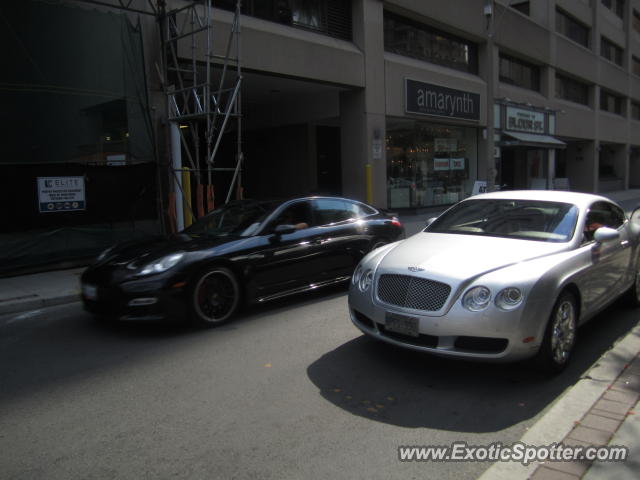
(524, 219)
(239, 218)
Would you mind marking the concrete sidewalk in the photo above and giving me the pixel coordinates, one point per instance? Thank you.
(597, 410)
(30, 292)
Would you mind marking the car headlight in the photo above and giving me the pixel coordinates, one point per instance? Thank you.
(365, 280)
(356, 275)
(162, 264)
(104, 254)
(476, 299)
(509, 298)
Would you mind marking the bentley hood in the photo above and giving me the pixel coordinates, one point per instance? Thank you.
(460, 257)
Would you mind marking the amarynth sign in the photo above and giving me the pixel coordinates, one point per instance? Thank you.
(427, 99)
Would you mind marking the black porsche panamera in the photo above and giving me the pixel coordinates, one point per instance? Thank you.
(245, 251)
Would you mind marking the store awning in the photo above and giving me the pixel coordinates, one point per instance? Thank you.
(519, 139)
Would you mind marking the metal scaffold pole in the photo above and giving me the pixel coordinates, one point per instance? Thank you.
(201, 76)
(203, 95)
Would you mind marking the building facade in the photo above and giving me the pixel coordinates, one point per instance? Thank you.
(393, 102)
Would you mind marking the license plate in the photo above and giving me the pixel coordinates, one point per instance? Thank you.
(401, 324)
(90, 292)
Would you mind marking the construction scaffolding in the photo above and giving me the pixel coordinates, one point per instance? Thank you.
(202, 80)
(201, 76)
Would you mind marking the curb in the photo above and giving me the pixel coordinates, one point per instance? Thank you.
(577, 400)
(36, 303)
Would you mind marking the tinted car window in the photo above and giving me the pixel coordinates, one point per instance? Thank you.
(298, 214)
(602, 214)
(364, 210)
(525, 219)
(232, 219)
(617, 215)
(333, 210)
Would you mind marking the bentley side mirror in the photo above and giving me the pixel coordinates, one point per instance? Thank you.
(635, 215)
(605, 234)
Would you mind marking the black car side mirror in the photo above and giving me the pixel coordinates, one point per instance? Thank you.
(284, 229)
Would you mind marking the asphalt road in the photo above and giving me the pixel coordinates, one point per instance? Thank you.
(288, 391)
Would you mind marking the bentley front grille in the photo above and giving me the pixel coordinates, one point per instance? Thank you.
(413, 292)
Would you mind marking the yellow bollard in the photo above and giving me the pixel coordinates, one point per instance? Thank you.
(369, 181)
(186, 201)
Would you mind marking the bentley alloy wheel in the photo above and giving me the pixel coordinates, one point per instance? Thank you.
(563, 332)
(560, 334)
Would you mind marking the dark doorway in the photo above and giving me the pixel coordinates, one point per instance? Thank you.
(507, 176)
(328, 161)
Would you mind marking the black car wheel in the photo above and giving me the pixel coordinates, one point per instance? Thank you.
(560, 334)
(215, 296)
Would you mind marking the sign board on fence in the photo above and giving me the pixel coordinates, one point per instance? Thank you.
(479, 186)
(561, 183)
(457, 163)
(61, 194)
(538, 184)
(440, 164)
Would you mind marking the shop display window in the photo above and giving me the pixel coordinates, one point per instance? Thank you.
(429, 164)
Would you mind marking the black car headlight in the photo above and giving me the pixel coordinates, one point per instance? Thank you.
(162, 264)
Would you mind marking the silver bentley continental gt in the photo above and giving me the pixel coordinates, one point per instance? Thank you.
(501, 276)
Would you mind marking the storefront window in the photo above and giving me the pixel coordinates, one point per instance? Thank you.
(429, 164)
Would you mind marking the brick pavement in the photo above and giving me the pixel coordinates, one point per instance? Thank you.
(599, 425)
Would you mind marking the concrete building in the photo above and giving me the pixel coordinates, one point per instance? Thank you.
(386, 101)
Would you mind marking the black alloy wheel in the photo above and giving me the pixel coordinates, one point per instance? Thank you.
(215, 296)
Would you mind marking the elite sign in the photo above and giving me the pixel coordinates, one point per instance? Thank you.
(61, 194)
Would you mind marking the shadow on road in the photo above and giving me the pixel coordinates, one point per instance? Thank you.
(42, 349)
(400, 387)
